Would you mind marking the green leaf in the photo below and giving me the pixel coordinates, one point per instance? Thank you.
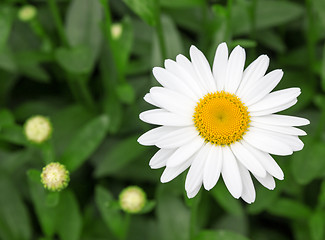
(74, 60)
(126, 93)
(316, 225)
(322, 74)
(290, 209)
(69, 220)
(46, 215)
(122, 47)
(146, 9)
(219, 235)
(83, 26)
(268, 14)
(172, 38)
(85, 143)
(306, 171)
(6, 17)
(181, 3)
(67, 124)
(111, 215)
(14, 218)
(271, 40)
(227, 202)
(321, 195)
(13, 134)
(150, 205)
(6, 118)
(175, 226)
(116, 157)
(264, 199)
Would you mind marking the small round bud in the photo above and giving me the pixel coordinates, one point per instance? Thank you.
(27, 13)
(116, 30)
(55, 176)
(132, 199)
(38, 129)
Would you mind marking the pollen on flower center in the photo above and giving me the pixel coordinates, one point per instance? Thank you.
(221, 118)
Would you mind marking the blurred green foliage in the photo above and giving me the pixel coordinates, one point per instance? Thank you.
(65, 63)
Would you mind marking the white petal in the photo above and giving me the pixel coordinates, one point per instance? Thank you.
(281, 120)
(170, 81)
(171, 172)
(172, 101)
(275, 99)
(281, 129)
(266, 142)
(252, 74)
(248, 194)
(162, 117)
(262, 87)
(247, 159)
(267, 181)
(230, 173)
(220, 66)
(160, 158)
(212, 167)
(202, 68)
(194, 192)
(148, 99)
(292, 141)
(274, 109)
(195, 174)
(177, 138)
(150, 138)
(235, 69)
(266, 160)
(183, 69)
(185, 152)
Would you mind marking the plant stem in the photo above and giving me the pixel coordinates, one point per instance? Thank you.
(193, 220)
(228, 30)
(160, 32)
(58, 22)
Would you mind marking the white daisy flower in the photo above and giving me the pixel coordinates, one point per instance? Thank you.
(221, 122)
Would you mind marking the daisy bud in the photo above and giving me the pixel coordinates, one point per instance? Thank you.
(55, 176)
(27, 13)
(116, 30)
(38, 129)
(132, 199)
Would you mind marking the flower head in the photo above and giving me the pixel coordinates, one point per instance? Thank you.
(132, 199)
(221, 122)
(55, 176)
(27, 13)
(38, 129)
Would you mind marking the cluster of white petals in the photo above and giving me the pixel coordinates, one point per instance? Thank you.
(184, 83)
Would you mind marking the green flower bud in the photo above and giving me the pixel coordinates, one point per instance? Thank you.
(132, 199)
(55, 176)
(38, 129)
(27, 13)
(116, 30)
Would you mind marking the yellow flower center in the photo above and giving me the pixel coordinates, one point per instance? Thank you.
(221, 118)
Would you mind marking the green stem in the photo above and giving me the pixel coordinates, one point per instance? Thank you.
(127, 221)
(110, 41)
(194, 212)
(48, 152)
(39, 30)
(229, 11)
(320, 126)
(58, 22)
(160, 33)
(85, 93)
